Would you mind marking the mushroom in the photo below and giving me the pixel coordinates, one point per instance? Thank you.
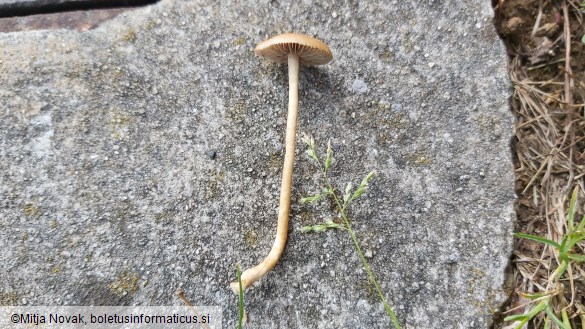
(295, 49)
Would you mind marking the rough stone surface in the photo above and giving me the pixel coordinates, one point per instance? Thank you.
(108, 194)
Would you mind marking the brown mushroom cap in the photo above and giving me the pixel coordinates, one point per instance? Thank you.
(310, 50)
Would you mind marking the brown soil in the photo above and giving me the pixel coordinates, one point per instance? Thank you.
(548, 101)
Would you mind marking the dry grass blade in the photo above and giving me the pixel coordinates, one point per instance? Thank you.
(549, 103)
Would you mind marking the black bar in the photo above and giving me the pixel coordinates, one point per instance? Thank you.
(9, 8)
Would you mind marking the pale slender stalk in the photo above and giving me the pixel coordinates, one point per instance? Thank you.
(253, 274)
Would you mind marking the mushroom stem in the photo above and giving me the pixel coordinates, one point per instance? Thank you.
(254, 274)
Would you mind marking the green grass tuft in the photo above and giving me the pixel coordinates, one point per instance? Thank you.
(550, 303)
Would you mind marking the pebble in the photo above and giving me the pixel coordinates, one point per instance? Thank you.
(359, 86)
(396, 107)
(454, 258)
(211, 154)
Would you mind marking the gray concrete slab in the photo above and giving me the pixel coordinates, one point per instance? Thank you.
(109, 195)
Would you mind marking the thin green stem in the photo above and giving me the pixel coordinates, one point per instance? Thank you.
(342, 209)
(359, 250)
(241, 297)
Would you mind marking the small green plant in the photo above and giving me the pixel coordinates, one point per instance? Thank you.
(342, 205)
(550, 302)
(240, 298)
